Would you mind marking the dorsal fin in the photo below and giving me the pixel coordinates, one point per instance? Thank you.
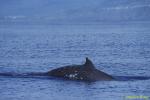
(88, 64)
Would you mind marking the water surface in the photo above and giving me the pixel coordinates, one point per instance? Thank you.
(118, 49)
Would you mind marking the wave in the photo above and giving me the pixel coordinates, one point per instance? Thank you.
(44, 75)
(131, 78)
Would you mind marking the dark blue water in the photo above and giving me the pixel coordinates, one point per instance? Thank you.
(118, 49)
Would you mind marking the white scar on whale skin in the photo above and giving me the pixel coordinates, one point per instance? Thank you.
(72, 75)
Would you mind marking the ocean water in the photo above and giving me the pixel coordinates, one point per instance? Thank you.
(118, 49)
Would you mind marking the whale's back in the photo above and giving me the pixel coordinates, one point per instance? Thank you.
(77, 72)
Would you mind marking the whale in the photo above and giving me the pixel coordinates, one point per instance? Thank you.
(84, 72)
